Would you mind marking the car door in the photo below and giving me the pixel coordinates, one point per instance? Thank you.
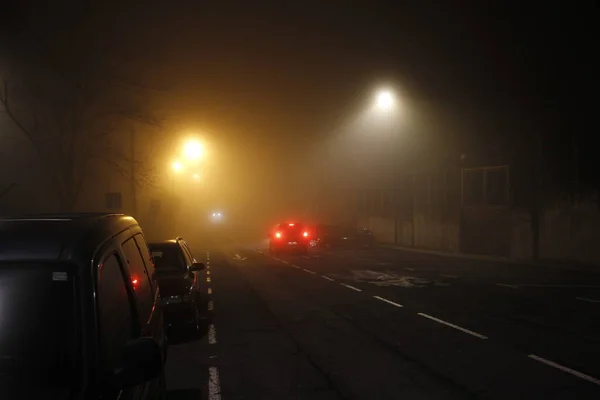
(189, 260)
(117, 320)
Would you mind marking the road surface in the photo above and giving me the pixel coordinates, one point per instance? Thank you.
(388, 324)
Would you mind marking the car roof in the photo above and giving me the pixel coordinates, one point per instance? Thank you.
(58, 237)
(168, 242)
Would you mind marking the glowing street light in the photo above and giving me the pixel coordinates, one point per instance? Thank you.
(385, 100)
(196, 177)
(193, 150)
(177, 166)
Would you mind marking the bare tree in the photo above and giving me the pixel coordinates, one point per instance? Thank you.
(75, 106)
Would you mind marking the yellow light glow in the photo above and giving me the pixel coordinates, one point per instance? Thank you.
(196, 177)
(193, 150)
(177, 166)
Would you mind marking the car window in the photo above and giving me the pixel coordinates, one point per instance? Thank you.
(115, 315)
(148, 260)
(167, 257)
(139, 278)
(39, 333)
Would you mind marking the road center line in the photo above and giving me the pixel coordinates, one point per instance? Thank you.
(209, 290)
(295, 266)
(505, 285)
(388, 301)
(211, 306)
(208, 279)
(309, 271)
(328, 278)
(566, 369)
(214, 384)
(212, 334)
(453, 326)
(351, 287)
(207, 272)
(588, 300)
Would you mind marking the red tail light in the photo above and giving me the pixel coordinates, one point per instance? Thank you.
(134, 282)
(278, 235)
(305, 234)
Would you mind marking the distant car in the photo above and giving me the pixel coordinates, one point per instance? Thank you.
(79, 310)
(176, 272)
(289, 237)
(329, 236)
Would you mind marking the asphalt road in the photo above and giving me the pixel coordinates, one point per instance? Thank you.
(388, 324)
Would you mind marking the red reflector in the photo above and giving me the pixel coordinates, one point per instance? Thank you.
(305, 234)
(278, 234)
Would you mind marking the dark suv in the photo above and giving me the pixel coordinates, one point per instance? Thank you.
(79, 310)
(176, 272)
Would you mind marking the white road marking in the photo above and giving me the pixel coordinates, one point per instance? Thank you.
(211, 306)
(214, 384)
(207, 272)
(309, 271)
(449, 276)
(388, 301)
(305, 257)
(588, 300)
(566, 369)
(208, 279)
(209, 290)
(453, 326)
(409, 269)
(295, 266)
(351, 287)
(328, 278)
(504, 285)
(212, 334)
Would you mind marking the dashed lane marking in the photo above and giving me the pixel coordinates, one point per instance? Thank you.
(409, 269)
(351, 287)
(211, 306)
(209, 290)
(588, 300)
(309, 271)
(328, 278)
(214, 384)
(212, 334)
(566, 369)
(477, 335)
(388, 301)
(207, 272)
(208, 279)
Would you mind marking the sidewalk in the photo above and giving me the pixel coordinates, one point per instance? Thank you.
(565, 265)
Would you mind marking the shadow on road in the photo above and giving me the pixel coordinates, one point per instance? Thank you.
(185, 394)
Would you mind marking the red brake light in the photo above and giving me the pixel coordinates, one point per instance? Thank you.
(291, 224)
(134, 282)
(305, 234)
(277, 235)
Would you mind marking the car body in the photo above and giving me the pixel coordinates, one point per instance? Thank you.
(94, 326)
(177, 276)
(289, 237)
(331, 236)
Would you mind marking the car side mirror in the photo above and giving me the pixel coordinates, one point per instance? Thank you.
(197, 266)
(142, 362)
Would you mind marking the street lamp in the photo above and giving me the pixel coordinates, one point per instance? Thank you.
(193, 150)
(177, 166)
(385, 100)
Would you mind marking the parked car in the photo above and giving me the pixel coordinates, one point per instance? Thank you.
(330, 236)
(177, 276)
(79, 310)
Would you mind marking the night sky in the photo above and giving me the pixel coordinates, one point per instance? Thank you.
(274, 78)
